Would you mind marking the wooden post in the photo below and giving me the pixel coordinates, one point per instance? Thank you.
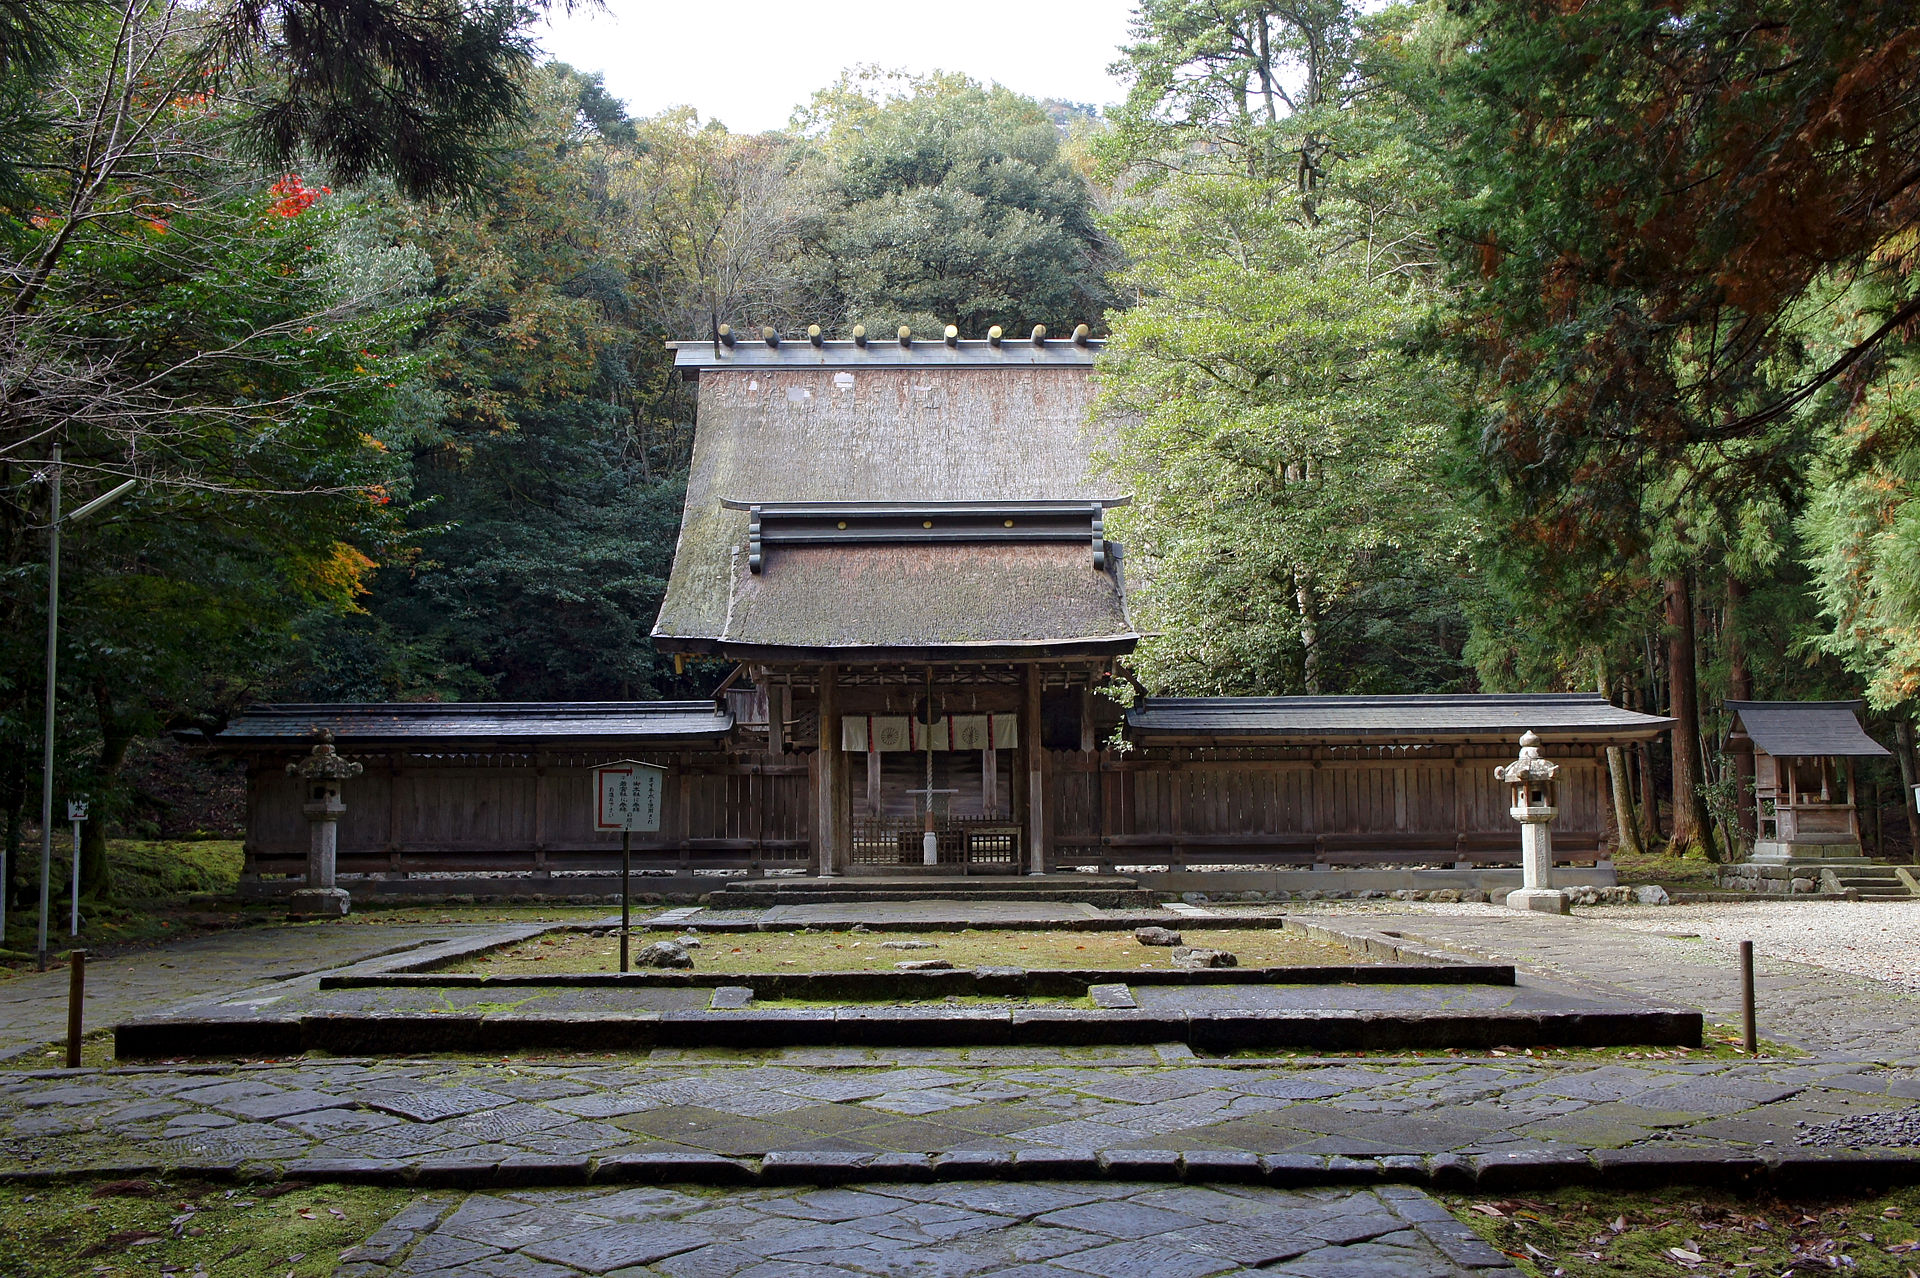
(685, 821)
(1749, 1031)
(827, 823)
(76, 1003)
(776, 719)
(626, 893)
(394, 762)
(1038, 834)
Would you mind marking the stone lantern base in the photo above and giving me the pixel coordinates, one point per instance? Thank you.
(319, 903)
(1545, 900)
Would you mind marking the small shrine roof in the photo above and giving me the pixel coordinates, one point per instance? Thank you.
(1805, 729)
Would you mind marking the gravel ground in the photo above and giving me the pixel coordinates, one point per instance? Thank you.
(1878, 939)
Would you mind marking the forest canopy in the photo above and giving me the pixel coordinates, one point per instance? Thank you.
(1452, 347)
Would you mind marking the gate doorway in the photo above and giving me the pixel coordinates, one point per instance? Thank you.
(976, 830)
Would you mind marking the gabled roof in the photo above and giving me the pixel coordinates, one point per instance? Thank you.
(1402, 719)
(467, 723)
(1803, 729)
(926, 462)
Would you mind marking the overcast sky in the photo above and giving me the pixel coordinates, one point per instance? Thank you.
(748, 63)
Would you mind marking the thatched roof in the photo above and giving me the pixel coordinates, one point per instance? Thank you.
(915, 434)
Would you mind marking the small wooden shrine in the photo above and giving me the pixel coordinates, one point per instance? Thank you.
(1806, 798)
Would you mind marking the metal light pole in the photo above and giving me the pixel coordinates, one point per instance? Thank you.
(46, 759)
(53, 635)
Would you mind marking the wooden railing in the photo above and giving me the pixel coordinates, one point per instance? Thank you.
(988, 843)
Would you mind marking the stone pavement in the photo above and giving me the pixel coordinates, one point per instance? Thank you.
(33, 1005)
(995, 1110)
(1056, 1230)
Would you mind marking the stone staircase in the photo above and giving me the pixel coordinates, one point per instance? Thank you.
(1871, 879)
(1103, 891)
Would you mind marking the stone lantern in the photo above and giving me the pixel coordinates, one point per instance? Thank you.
(321, 774)
(1535, 802)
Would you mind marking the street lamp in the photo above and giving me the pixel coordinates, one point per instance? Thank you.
(53, 634)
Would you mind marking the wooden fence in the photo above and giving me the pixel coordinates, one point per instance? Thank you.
(468, 813)
(493, 813)
(1331, 806)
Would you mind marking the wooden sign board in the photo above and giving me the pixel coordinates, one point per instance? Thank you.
(628, 796)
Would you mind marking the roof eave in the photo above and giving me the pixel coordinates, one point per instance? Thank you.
(1375, 736)
(992, 650)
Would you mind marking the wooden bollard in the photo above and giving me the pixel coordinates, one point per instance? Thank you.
(1750, 1032)
(76, 1001)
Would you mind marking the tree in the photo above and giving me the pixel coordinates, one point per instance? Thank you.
(1650, 197)
(942, 202)
(166, 312)
(1290, 518)
(712, 225)
(544, 528)
(411, 91)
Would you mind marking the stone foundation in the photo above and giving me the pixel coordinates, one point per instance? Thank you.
(1797, 877)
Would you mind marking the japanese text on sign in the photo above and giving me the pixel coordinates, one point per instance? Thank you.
(628, 796)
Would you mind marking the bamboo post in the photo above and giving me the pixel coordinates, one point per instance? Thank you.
(626, 892)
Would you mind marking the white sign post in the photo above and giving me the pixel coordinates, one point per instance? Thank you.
(627, 797)
(76, 813)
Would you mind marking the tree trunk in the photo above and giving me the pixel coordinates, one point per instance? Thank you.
(1649, 797)
(1309, 632)
(1625, 822)
(1740, 688)
(1690, 821)
(1903, 751)
(1266, 65)
(96, 876)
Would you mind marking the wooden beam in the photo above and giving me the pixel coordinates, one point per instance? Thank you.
(1039, 840)
(830, 819)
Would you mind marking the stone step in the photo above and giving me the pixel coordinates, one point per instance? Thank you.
(1106, 899)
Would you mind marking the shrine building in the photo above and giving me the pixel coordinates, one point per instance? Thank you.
(895, 559)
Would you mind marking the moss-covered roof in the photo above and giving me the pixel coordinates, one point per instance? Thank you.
(906, 435)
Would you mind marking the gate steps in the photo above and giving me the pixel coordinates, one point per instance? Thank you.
(1103, 891)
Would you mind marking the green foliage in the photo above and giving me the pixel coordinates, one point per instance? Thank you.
(553, 558)
(948, 203)
(225, 338)
(1862, 526)
(541, 535)
(1284, 448)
